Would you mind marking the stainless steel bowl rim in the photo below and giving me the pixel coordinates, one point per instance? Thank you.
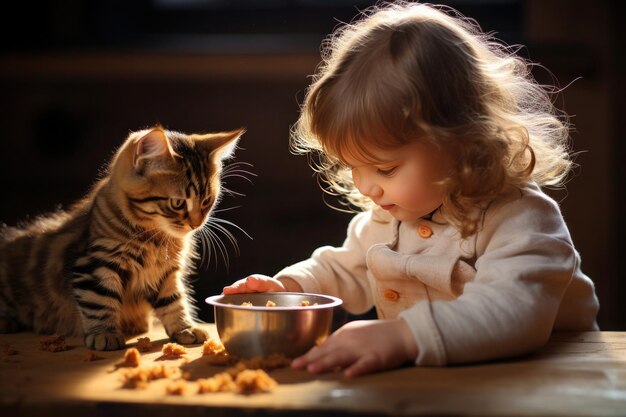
(214, 300)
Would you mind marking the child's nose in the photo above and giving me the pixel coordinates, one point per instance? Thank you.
(370, 189)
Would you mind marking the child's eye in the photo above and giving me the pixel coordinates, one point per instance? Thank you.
(177, 203)
(387, 172)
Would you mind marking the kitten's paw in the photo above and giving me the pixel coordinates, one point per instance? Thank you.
(104, 341)
(9, 325)
(190, 336)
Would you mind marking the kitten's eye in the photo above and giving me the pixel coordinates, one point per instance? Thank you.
(177, 203)
(387, 172)
(206, 202)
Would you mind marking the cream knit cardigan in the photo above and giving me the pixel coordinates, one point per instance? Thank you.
(498, 293)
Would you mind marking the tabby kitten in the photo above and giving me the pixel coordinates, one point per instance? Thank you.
(98, 269)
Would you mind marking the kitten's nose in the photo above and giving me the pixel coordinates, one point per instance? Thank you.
(195, 219)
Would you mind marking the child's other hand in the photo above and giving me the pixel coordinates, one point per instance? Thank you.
(255, 283)
(362, 347)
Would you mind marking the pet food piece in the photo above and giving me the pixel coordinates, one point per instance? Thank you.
(144, 344)
(305, 303)
(270, 303)
(276, 360)
(53, 343)
(212, 347)
(222, 382)
(251, 381)
(246, 304)
(177, 387)
(273, 361)
(132, 359)
(216, 354)
(138, 378)
(221, 359)
(173, 351)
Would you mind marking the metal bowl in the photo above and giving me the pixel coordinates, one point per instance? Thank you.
(288, 328)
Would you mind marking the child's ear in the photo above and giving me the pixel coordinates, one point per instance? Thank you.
(151, 145)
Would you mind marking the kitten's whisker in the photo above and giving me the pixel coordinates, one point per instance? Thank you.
(220, 245)
(211, 250)
(231, 192)
(218, 220)
(238, 174)
(228, 235)
(236, 165)
(221, 210)
(237, 168)
(206, 254)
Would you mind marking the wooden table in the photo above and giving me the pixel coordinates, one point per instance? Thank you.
(575, 374)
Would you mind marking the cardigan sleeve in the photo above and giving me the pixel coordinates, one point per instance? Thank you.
(525, 262)
(341, 271)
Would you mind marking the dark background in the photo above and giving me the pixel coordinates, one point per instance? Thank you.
(77, 76)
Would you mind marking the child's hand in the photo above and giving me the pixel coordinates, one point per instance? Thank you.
(255, 283)
(362, 347)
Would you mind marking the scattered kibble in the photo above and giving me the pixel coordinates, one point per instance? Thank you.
(53, 343)
(173, 351)
(144, 344)
(178, 387)
(132, 359)
(138, 378)
(222, 382)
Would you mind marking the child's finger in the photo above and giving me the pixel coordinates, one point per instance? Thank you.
(255, 284)
(238, 287)
(338, 358)
(363, 365)
(232, 289)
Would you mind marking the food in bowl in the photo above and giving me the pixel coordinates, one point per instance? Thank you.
(289, 326)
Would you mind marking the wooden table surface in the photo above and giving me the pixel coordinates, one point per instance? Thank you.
(576, 374)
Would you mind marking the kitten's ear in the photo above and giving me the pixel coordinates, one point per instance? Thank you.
(223, 144)
(151, 145)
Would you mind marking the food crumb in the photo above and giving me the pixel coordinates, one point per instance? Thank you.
(176, 387)
(132, 359)
(212, 347)
(222, 382)
(144, 344)
(270, 303)
(216, 354)
(138, 378)
(252, 381)
(276, 360)
(53, 343)
(173, 351)
(305, 303)
(246, 304)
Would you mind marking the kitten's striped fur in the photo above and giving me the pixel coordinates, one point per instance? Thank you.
(98, 269)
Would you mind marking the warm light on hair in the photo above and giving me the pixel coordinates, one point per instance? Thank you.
(415, 72)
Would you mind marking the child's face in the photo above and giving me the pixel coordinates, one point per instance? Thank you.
(402, 181)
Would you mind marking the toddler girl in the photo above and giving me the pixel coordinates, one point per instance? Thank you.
(443, 139)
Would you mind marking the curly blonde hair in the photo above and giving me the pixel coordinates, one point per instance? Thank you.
(409, 72)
